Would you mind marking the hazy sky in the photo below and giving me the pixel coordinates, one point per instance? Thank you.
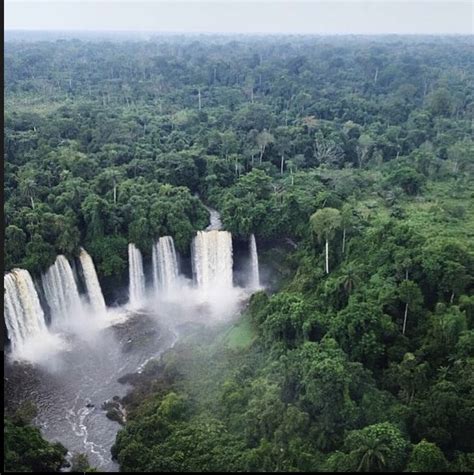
(247, 16)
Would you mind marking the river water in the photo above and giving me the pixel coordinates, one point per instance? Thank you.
(70, 387)
(83, 375)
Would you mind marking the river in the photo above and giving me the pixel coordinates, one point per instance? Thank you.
(70, 389)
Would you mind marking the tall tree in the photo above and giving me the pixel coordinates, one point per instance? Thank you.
(324, 224)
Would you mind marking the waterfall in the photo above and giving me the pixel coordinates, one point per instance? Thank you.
(136, 276)
(165, 264)
(24, 317)
(215, 220)
(255, 274)
(212, 259)
(61, 292)
(94, 292)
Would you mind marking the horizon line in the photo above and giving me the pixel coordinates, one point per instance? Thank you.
(227, 33)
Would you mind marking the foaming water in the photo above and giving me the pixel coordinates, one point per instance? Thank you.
(24, 317)
(165, 264)
(61, 293)
(136, 277)
(77, 368)
(42, 349)
(94, 292)
(254, 269)
(212, 261)
(70, 385)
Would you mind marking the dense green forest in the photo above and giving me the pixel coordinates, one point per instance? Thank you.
(356, 153)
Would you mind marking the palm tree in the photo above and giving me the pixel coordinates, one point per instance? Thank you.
(324, 224)
(28, 186)
(372, 453)
(349, 279)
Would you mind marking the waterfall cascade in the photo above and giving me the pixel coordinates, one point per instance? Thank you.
(215, 220)
(61, 292)
(165, 264)
(24, 317)
(255, 274)
(136, 276)
(212, 259)
(94, 292)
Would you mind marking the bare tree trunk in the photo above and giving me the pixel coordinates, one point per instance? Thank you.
(282, 163)
(262, 151)
(251, 95)
(199, 97)
(32, 202)
(451, 300)
(405, 318)
(115, 193)
(376, 75)
(327, 256)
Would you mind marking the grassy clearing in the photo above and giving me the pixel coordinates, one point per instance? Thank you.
(241, 335)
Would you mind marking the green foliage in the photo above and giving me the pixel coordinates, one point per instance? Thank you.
(26, 451)
(285, 316)
(109, 254)
(325, 222)
(361, 329)
(407, 178)
(426, 457)
(321, 375)
(379, 447)
(80, 463)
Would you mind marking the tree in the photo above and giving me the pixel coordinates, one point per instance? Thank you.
(28, 185)
(348, 221)
(448, 265)
(364, 146)
(426, 457)
(411, 296)
(461, 156)
(283, 144)
(407, 178)
(440, 102)
(327, 152)
(80, 463)
(110, 178)
(15, 245)
(284, 320)
(324, 380)
(360, 329)
(408, 378)
(324, 223)
(25, 450)
(263, 139)
(378, 447)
